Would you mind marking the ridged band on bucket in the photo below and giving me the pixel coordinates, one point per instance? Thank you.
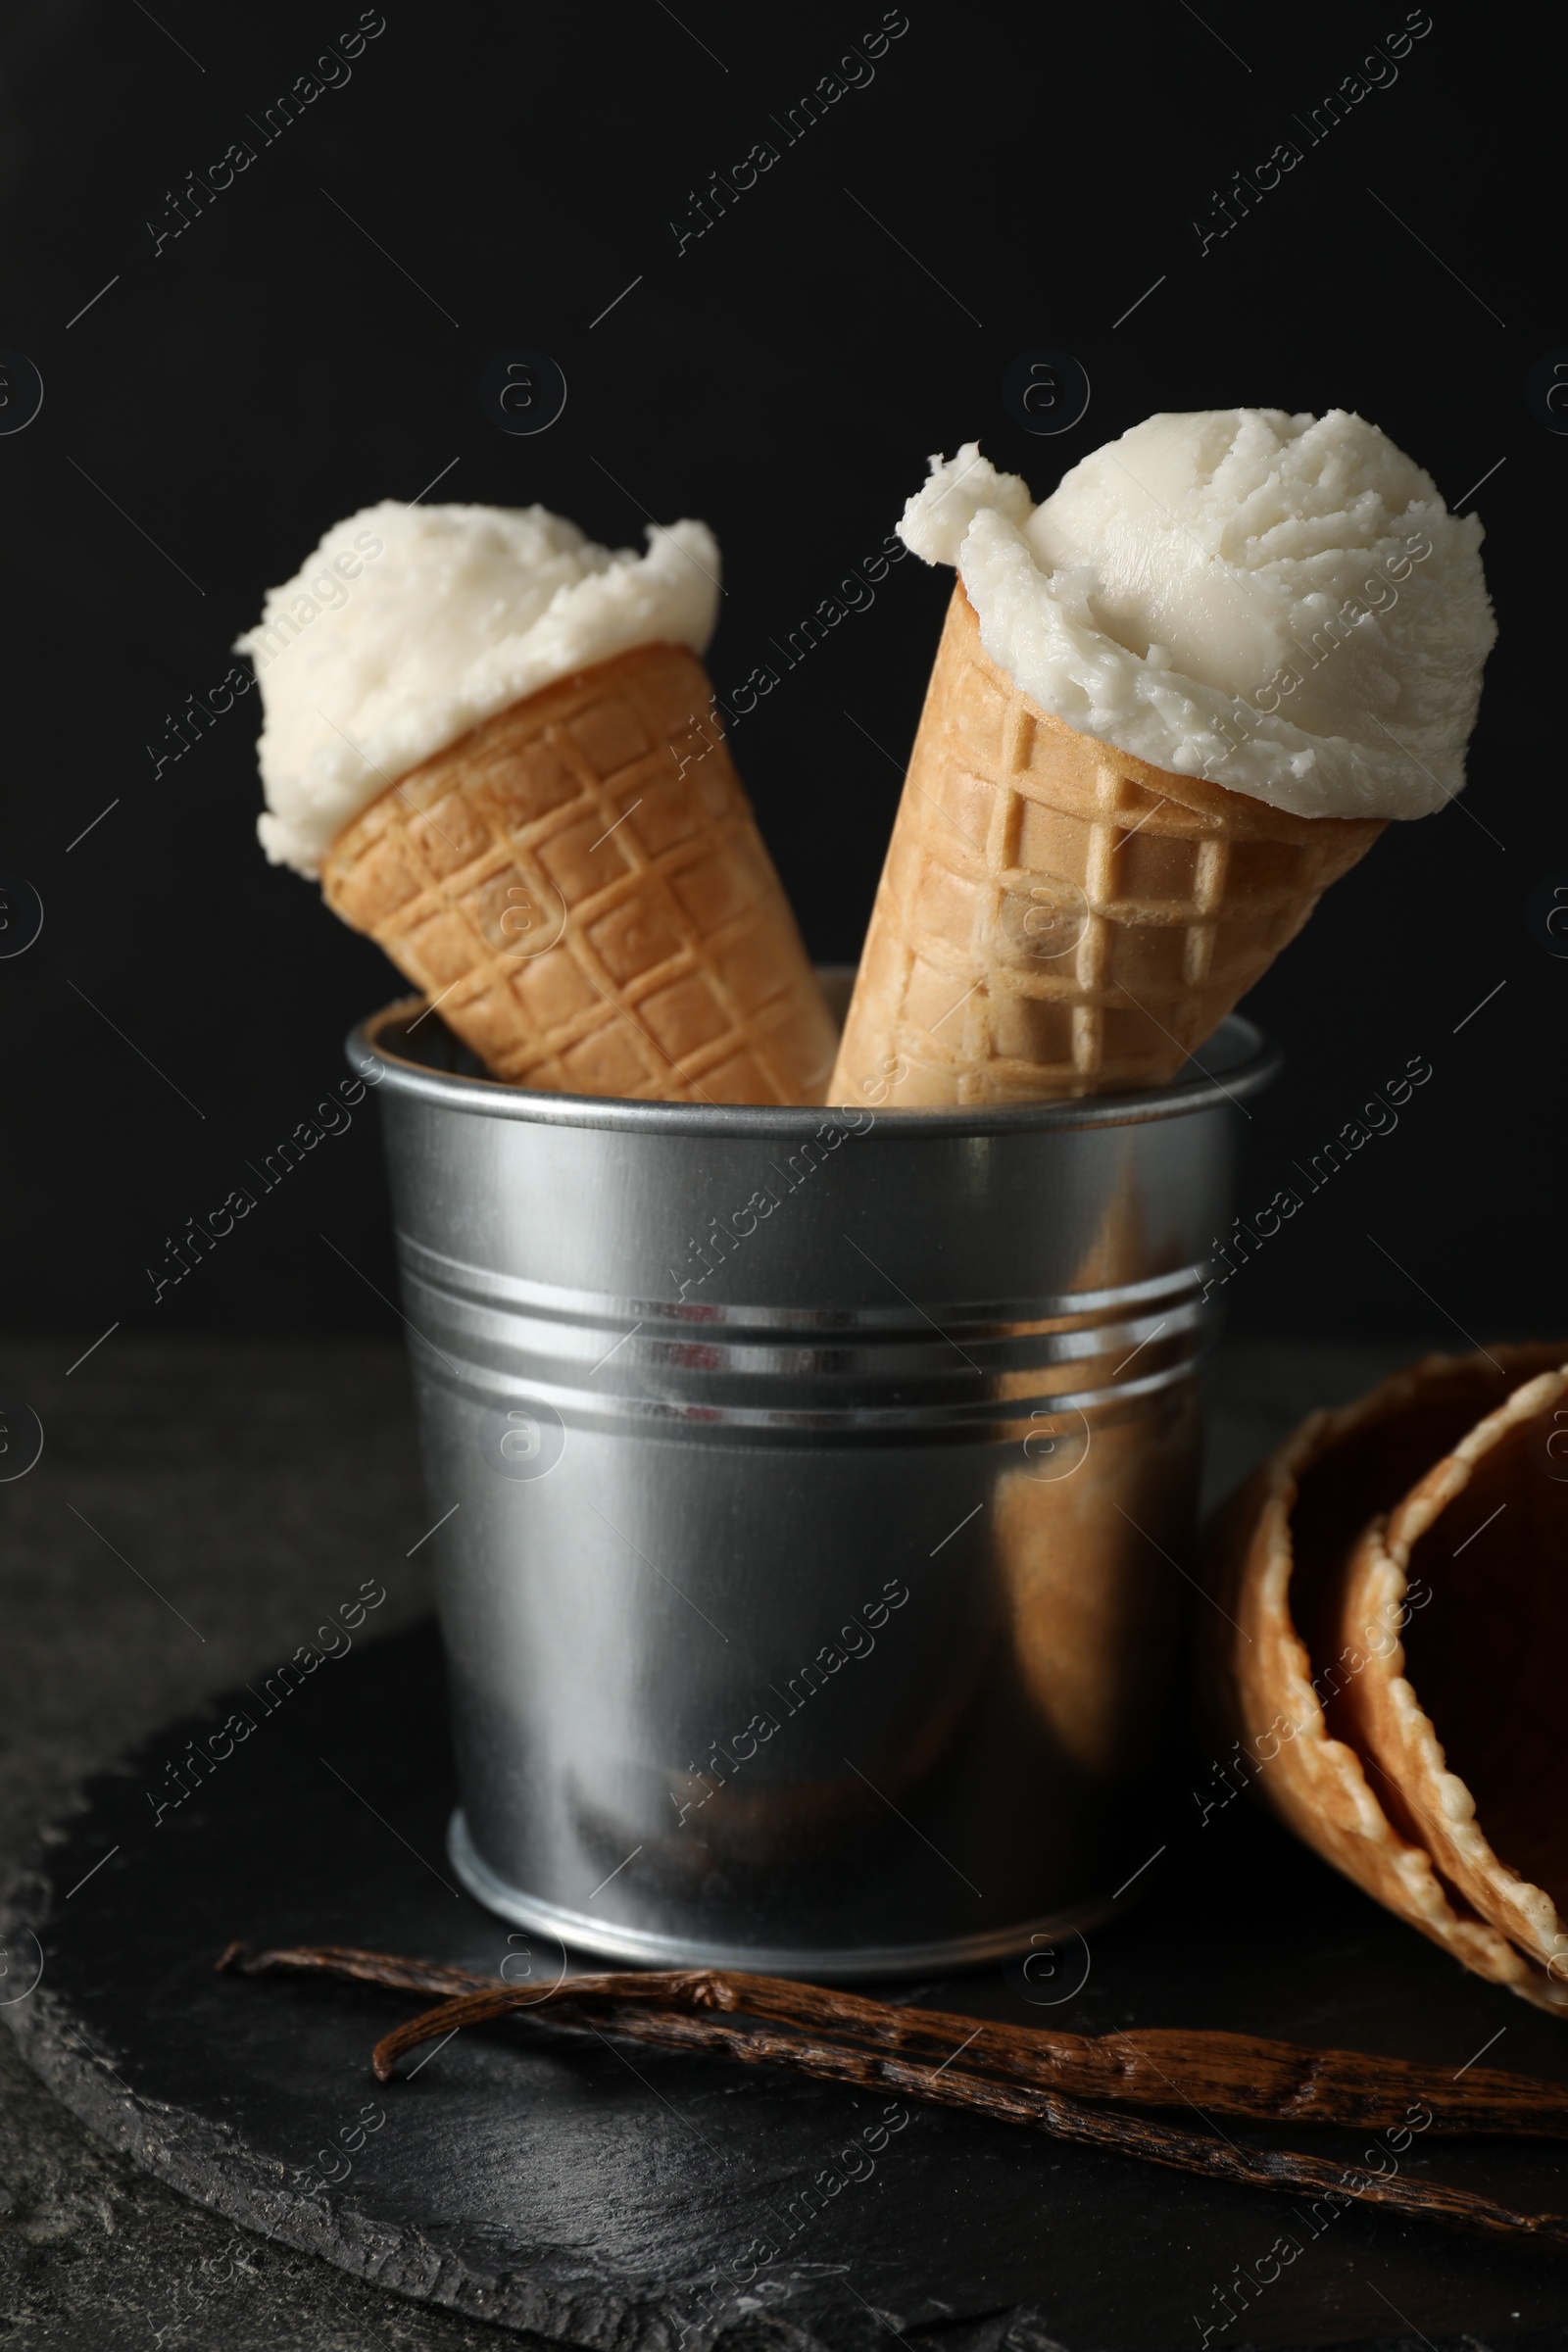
(750, 1374)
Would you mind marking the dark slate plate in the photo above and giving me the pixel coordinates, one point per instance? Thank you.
(614, 2196)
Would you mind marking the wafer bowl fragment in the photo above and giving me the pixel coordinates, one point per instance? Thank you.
(1461, 1716)
(1310, 1633)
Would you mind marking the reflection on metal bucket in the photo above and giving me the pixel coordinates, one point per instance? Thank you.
(825, 1478)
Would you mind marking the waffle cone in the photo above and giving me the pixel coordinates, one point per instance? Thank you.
(1302, 1681)
(580, 885)
(1057, 918)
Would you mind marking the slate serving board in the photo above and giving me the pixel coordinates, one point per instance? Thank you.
(618, 2196)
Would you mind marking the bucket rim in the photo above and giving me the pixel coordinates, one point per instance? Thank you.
(1236, 1061)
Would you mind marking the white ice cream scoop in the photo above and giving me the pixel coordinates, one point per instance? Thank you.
(1282, 605)
(409, 625)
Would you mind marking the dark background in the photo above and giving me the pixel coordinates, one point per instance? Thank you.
(510, 171)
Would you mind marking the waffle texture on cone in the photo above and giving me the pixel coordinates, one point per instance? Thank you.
(1055, 916)
(1302, 1651)
(580, 884)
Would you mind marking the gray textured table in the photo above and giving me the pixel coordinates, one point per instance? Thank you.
(195, 1504)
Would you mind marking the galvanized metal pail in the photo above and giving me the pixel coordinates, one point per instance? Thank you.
(818, 1486)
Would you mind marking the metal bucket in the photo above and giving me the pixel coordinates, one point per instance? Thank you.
(818, 1486)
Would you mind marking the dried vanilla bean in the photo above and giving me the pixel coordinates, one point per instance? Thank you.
(1283, 2170)
(1226, 2074)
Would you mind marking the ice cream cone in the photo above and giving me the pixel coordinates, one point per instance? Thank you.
(1300, 1663)
(1055, 916)
(579, 885)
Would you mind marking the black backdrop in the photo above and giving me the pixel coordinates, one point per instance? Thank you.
(485, 178)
